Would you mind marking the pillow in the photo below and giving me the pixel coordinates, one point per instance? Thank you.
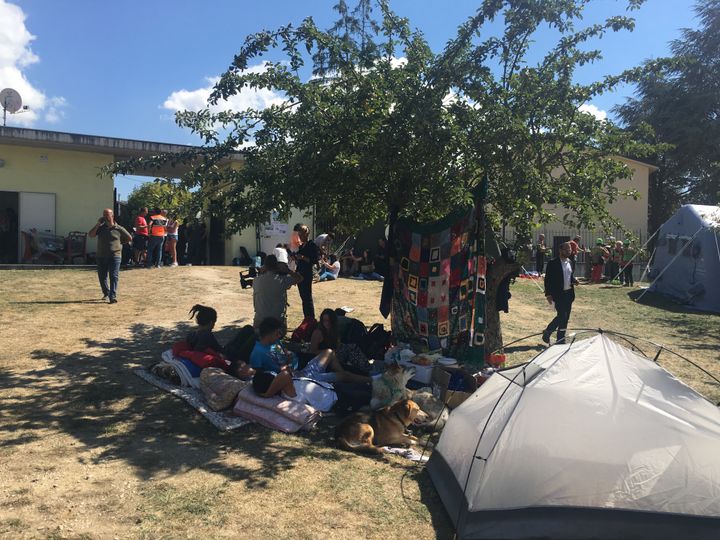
(220, 389)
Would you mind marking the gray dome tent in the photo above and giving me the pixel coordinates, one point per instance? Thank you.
(686, 265)
(589, 440)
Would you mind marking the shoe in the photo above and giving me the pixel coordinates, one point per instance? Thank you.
(105, 298)
(546, 338)
(173, 264)
(113, 301)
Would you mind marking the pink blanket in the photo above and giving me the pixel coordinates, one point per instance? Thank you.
(275, 412)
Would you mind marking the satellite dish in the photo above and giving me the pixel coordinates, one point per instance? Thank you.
(10, 100)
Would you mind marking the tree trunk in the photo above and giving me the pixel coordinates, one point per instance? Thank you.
(497, 272)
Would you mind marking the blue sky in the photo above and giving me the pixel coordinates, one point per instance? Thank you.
(122, 68)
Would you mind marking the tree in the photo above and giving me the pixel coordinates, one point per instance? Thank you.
(174, 198)
(385, 127)
(681, 105)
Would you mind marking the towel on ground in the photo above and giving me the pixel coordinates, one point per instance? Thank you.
(276, 413)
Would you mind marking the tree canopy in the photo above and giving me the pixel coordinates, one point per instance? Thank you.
(375, 123)
(164, 195)
(681, 105)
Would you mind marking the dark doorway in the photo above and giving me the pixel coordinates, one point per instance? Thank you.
(9, 232)
(216, 241)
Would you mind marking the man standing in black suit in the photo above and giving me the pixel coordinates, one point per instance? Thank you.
(559, 289)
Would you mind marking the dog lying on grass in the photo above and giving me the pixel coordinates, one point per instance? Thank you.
(366, 433)
(391, 387)
(435, 411)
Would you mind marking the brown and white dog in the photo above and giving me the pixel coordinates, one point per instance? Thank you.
(366, 433)
(391, 386)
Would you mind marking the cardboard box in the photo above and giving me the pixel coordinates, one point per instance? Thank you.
(440, 380)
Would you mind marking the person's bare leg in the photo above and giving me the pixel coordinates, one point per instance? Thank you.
(281, 383)
(173, 251)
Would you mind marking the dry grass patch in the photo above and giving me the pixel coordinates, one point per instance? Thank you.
(91, 451)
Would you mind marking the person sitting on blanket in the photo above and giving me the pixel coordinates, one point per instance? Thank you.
(203, 338)
(200, 346)
(275, 367)
(327, 334)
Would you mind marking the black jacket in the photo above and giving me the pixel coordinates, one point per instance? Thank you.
(554, 279)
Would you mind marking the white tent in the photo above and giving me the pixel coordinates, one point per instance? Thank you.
(686, 264)
(589, 440)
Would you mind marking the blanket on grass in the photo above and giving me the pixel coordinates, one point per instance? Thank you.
(223, 420)
(276, 413)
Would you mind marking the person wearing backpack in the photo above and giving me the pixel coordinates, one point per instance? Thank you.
(270, 290)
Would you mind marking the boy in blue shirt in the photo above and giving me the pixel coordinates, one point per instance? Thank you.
(274, 365)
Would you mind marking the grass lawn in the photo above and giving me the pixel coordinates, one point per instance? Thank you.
(91, 451)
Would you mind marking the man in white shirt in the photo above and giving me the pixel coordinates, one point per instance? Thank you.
(323, 241)
(560, 290)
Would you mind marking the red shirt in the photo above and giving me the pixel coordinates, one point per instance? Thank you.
(141, 226)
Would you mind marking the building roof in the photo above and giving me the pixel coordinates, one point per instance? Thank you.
(119, 149)
(652, 168)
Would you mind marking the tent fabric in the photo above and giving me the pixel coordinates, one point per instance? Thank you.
(692, 276)
(590, 438)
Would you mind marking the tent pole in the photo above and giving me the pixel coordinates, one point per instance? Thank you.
(670, 263)
(535, 281)
(647, 266)
(638, 253)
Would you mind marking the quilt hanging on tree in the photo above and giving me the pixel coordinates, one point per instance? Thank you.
(433, 289)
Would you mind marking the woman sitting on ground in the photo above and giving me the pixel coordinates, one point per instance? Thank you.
(367, 268)
(269, 357)
(331, 269)
(349, 263)
(326, 335)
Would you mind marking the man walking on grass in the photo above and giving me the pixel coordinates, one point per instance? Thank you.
(560, 291)
(110, 237)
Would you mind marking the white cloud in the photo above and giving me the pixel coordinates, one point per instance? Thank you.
(592, 109)
(195, 100)
(15, 56)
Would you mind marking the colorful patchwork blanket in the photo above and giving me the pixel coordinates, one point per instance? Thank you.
(433, 289)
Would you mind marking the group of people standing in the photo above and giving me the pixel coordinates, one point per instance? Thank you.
(154, 234)
(609, 260)
(615, 258)
(158, 232)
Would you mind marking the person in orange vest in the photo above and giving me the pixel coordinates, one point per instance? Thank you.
(156, 227)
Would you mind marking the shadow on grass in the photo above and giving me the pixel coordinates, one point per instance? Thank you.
(52, 302)
(103, 405)
(524, 348)
(93, 396)
(691, 324)
(660, 301)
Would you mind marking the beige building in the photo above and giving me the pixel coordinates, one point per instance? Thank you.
(632, 213)
(49, 182)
